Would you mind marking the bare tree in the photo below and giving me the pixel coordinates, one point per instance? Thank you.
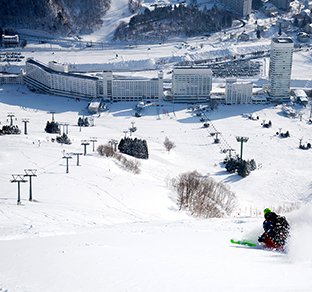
(169, 144)
(105, 150)
(130, 165)
(203, 196)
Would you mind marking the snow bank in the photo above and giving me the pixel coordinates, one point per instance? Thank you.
(299, 246)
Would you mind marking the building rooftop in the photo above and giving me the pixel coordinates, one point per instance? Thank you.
(282, 40)
(51, 71)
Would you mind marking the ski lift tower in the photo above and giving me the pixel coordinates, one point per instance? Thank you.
(93, 140)
(52, 112)
(30, 173)
(114, 143)
(11, 116)
(19, 178)
(25, 121)
(216, 140)
(242, 140)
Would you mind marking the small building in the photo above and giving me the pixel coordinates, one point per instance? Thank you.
(299, 18)
(301, 96)
(94, 106)
(6, 78)
(302, 37)
(232, 35)
(270, 9)
(243, 37)
(260, 28)
(10, 41)
(282, 23)
(259, 95)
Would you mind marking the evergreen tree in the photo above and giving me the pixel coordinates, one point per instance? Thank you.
(243, 169)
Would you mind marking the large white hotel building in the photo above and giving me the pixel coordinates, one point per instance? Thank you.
(55, 79)
(191, 84)
(120, 88)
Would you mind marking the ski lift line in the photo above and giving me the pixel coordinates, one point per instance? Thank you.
(221, 139)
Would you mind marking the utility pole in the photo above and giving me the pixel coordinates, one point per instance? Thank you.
(93, 140)
(30, 173)
(85, 143)
(25, 121)
(19, 178)
(125, 134)
(67, 156)
(242, 140)
(77, 157)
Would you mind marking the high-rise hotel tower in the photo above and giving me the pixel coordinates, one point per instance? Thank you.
(280, 68)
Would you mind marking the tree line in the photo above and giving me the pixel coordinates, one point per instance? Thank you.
(168, 21)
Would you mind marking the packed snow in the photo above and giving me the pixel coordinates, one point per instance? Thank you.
(101, 228)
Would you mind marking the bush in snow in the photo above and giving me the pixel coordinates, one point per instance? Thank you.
(52, 127)
(168, 144)
(106, 150)
(203, 196)
(63, 139)
(130, 165)
(242, 167)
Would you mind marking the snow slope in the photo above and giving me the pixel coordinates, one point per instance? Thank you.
(101, 228)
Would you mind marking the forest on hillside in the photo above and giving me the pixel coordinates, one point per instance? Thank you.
(168, 21)
(54, 16)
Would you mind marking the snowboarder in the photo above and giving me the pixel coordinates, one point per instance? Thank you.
(276, 230)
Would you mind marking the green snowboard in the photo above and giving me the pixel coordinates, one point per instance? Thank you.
(242, 242)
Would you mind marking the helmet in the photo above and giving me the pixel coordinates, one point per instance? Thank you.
(266, 211)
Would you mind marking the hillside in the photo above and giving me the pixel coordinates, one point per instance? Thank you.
(56, 17)
(101, 227)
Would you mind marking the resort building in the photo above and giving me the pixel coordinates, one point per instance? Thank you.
(191, 84)
(55, 79)
(6, 78)
(237, 92)
(48, 80)
(121, 88)
(281, 57)
(10, 41)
